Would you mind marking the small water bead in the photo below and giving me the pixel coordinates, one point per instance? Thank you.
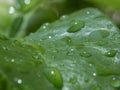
(76, 27)
(71, 52)
(73, 80)
(85, 54)
(111, 53)
(54, 76)
(67, 39)
(18, 80)
(87, 12)
(49, 37)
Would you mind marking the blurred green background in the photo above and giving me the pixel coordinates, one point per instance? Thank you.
(19, 18)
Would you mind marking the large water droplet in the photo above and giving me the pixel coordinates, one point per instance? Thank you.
(76, 27)
(54, 76)
(111, 53)
(98, 35)
(115, 83)
(73, 80)
(85, 54)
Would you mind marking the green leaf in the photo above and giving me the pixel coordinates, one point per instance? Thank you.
(22, 67)
(88, 58)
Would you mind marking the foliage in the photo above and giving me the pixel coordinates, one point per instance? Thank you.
(78, 51)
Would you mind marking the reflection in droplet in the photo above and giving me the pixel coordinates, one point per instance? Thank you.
(111, 53)
(19, 81)
(12, 60)
(11, 10)
(73, 80)
(76, 27)
(54, 76)
(85, 54)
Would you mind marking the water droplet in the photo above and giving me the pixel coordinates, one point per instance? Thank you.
(11, 10)
(109, 26)
(88, 12)
(73, 80)
(94, 74)
(19, 81)
(49, 37)
(85, 54)
(76, 27)
(98, 35)
(27, 2)
(111, 53)
(90, 65)
(12, 60)
(115, 83)
(101, 43)
(44, 26)
(54, 76)
(67, 39)
(63, 17)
